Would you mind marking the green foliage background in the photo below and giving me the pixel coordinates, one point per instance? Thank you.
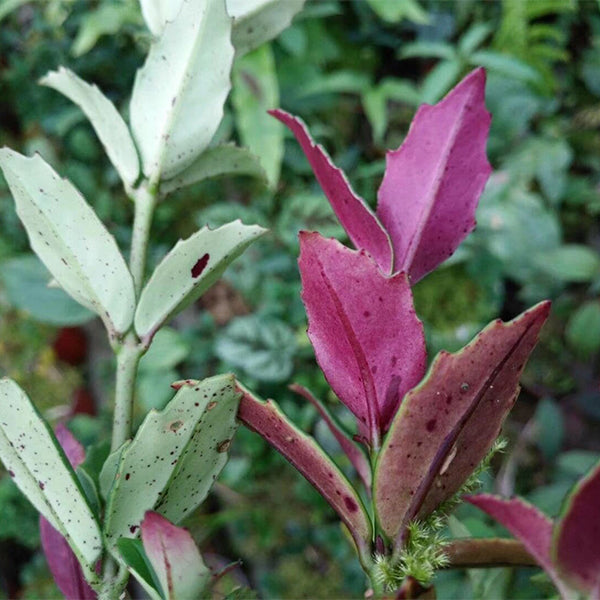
(355, 72)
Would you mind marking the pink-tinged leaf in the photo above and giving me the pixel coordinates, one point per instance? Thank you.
(301, 450)
(577, 534)
(527, 524)
(74, 451)
(362, 226)
(432, 183)
(355, 454)
(174, 558)
(446, 425)
(62, 563)
(367, 338)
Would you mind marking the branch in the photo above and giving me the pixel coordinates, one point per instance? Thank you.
(491, 552)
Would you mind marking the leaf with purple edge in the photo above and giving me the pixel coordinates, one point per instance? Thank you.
(576, 543)
(433, 182)
(301, 450)
(355, 454)
(62, 562)
(528, 524)
(367, 338)
(361, 224)
(174, 558)
(446, 425)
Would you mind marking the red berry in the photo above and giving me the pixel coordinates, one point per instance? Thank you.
(70, 345)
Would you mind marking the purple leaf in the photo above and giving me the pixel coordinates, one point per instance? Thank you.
(62, 563)
(174, 558)
(362, 226)
(367, 338)
(307, 456)
(354, 453)
(447, 424)
(577, 534)
(527, 524)
(432, 183)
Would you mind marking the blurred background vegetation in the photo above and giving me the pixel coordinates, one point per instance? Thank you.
(355, 71)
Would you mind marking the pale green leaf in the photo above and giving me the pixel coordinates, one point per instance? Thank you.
(65, 232)
(188, 270)
(109, 470)
(178, 95)
(108, 123)
(156, 13)
(225, 159)
(255, 91)
(37, 464)
(258, 21)
(168, 444)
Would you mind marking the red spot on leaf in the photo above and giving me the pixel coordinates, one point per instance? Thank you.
(133, 528)
(430, 425)
(350, 504)
(200, 266)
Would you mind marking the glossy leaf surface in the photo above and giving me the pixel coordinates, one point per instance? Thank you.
(188, 270)
(174, 557)
(446, 425)
(529, 525)
(67, 235)
(258, 21)
(226, 159)
(106, 120)
(62, 562)
(576, 545)
(169, 445)
(367, 338)
(362, 226)
(308, 457)
(432, 183)
(37, 464)
(178, 96)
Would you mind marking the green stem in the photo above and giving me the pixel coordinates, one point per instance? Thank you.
(128, 358)
(144, 201)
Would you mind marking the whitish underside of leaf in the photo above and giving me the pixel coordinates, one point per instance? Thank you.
(156, 13)
(104, 117)
(161, 449)
(188, 270)
(37, 464)
(71, 241)
(226, 159)
(258, 21)
(446, 426)
(178, 95)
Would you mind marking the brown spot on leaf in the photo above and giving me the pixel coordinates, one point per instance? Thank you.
(223, 446)
(176, 425)
(200, 266)
(211, 405)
